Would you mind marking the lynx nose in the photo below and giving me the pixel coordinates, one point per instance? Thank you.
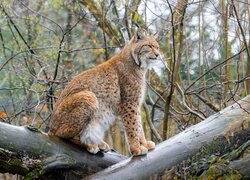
(156, 52)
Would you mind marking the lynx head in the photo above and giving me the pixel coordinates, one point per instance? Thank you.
(143, 48)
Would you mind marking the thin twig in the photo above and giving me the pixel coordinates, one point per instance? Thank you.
(211, 69)
(21, 36)
(241, 29)
(183, 95)
(60, 46)
(151, 125)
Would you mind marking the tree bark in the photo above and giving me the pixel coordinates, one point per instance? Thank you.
(217, 133)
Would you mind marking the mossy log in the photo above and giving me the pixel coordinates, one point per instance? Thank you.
(225, 135)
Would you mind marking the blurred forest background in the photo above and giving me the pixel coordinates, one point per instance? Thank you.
(203, 68)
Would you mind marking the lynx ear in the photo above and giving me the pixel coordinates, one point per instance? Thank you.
(139, 35)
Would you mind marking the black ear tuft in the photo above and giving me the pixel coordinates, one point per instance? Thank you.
(138, 34)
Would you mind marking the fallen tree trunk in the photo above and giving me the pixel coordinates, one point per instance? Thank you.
(29, 152)
(218, 134)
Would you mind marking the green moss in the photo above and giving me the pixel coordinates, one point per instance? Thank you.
(13, 166)
(220, 170)
(1, 152)
(36, 149)
(34, 173)
(10, 146)
(32, 128)
(234, 154)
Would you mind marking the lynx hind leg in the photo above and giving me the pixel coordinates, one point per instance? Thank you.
(73, 114)
(92, 148)
(92, 137)
(104, 146)
(95, 148)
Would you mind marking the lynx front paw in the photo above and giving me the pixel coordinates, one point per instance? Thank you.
(104, 147)
(141, 150)
(92, 148)
(150, 145)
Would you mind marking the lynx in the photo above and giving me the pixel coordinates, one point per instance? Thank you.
(88, 105)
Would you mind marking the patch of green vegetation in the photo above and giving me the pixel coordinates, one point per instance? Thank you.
(234, 154)
(220, 170)
(14, 166)
(32, 128)
(34, 173)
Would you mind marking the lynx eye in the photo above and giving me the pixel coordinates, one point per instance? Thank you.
(150, 46)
